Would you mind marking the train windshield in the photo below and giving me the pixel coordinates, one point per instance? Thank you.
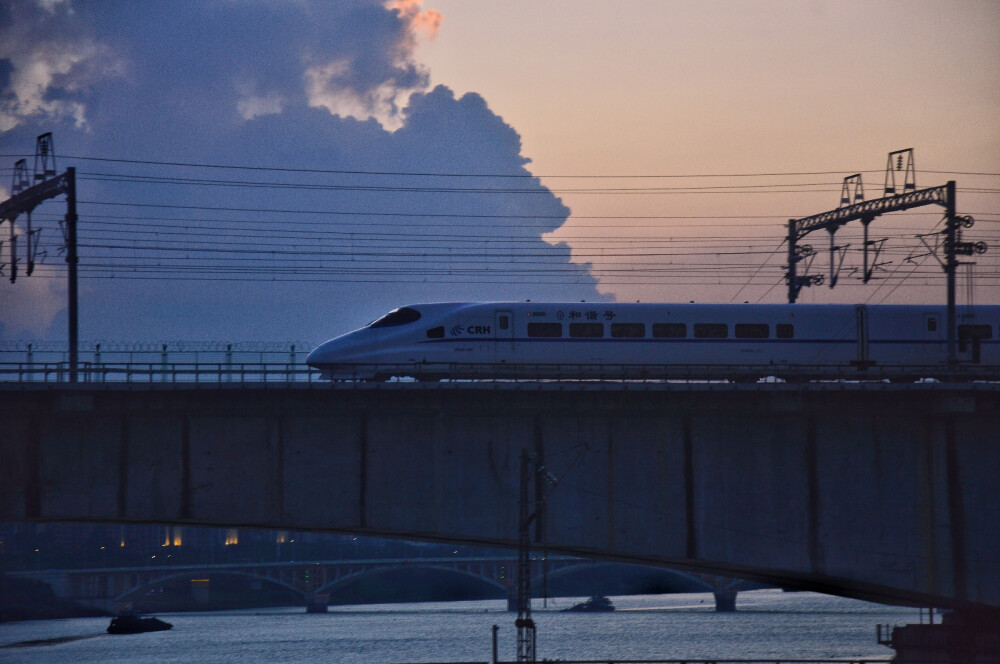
(400, 316)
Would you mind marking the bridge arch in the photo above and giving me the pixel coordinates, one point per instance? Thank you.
(697, 582)
(124, 596)
(443, 570)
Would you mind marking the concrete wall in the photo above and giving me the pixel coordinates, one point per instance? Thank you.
(882, 492)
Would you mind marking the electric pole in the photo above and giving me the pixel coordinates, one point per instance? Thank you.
(525, 625)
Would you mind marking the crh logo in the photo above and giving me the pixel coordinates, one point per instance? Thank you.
(471, 330)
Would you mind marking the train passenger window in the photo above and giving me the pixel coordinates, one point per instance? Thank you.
(544, 329)
(436, 332)
(590, 330)
(628, 330)
(670, 330)
(975, 332)
(711, 330)
(400, 316)
(784, 331)
(752, 331)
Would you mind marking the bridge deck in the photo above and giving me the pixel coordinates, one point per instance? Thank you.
(879, 490)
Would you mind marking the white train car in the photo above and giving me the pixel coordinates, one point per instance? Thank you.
(710, 341)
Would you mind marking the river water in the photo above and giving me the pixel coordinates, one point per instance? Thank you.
(767, 624)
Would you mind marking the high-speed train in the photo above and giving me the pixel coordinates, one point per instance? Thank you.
(618, 340)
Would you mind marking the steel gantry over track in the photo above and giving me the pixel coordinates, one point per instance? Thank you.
(866, 211)
(25, 197)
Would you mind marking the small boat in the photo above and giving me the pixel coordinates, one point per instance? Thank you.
(131, 624)
(596, 603)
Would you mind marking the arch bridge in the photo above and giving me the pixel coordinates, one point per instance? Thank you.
(113, 589)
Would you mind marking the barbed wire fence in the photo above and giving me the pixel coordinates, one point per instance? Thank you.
(158, 361)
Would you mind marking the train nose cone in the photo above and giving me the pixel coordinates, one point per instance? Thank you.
(318, 355)
(346, 349)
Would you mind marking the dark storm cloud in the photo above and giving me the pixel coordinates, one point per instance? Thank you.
(6, 69)
(47, 57)
(464, 131)
(235, 51)
(324, 85)
(199, 59)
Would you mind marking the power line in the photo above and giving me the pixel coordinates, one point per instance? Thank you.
(187, 248)
(773, 188)
(213, 275)
(279, 169)
(254, 184)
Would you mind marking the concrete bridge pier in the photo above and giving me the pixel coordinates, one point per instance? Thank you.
(317, 602)
(725, 600)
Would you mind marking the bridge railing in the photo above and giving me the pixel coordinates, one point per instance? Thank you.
(455, 374)
(156, 351)
(151, 373)
(410, 561)
(159, 361)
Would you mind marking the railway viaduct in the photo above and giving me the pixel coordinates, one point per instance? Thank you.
(880, 491)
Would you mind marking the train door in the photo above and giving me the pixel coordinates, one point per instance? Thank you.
(932, 336)
(861, 314)
(503, 324)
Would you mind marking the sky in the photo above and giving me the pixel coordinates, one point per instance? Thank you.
(291, 170)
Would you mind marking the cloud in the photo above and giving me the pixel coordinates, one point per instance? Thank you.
(372, 82)
(32, 303)
(353, 57)
(46, 58)
(424, 22)
(328, 86)
(332, 87)
(29, 305)
(250, 106)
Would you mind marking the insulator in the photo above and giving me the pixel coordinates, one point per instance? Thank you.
(44, 152)
(899, 162)
(21, 180)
